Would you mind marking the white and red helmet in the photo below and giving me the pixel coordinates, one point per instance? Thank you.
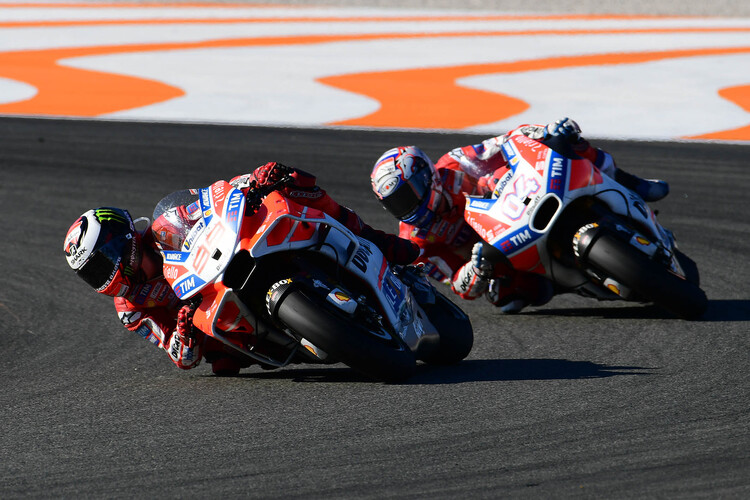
(103, 248)
(405, 181)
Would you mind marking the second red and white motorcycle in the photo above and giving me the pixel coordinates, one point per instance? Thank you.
(555, 214)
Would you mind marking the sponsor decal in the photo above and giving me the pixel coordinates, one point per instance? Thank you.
(217, 190)
(527, 141)
(577, 236)
(481, 204)
(273, 293)
(129, 318)
(385, 167)
(163, 295)
(342, 300)
(313, 195)
(197, 229)
(83, 251)
(362, 258)
(393, 288)
(516, 240)
(205, 199)
(502, 183)
(233, 207)
(74, 238)
(171, 272)
(176, 256)
(510, 153)
(105, 215)
(387, 186)
(192, 208)
(557, 172)
(188, 285)
(144, 331)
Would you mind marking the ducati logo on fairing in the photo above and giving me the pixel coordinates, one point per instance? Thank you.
(362, 257)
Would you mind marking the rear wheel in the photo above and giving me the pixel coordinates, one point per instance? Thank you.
(647, 278)
(378, 355)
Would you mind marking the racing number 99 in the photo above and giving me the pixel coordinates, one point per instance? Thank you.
(203, 252)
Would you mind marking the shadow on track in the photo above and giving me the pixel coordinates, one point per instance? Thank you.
(612, 312)
(727, 310)
(718, 310)
(476, 370)
(491, 370)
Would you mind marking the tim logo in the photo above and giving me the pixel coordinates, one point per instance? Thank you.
(186, 286)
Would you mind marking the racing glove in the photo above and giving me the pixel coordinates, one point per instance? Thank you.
(270, 173)
(253, 198)
(184, 331)
(566, 128)
(473, 278)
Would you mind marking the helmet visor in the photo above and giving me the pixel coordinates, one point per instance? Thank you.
(101, 267)
(408, 197)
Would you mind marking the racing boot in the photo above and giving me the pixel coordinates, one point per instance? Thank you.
(225, 366)
(648, 189)
(513, 293)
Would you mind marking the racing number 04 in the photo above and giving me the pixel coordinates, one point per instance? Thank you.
(513, 203)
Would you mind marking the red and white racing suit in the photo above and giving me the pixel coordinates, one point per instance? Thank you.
(446, 244)
(151, 308)
(151, 312)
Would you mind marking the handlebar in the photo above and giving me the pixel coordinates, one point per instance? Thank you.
(255, 193)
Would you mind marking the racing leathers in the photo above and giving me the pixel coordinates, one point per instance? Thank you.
(150, 309)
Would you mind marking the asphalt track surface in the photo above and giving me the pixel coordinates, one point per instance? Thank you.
(573, 399)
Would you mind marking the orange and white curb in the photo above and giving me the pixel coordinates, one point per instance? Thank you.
(636, 77)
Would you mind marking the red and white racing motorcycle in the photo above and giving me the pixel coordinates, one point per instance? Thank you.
(553, 213)
(284, 283)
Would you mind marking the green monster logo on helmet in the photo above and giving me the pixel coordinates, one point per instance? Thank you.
(105, 214)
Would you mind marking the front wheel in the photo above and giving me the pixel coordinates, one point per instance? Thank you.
(649, 279)
(377, 355)
(456, 332)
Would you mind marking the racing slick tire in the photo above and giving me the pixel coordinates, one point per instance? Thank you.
(456, 332)
(647, 278)
(378, 355)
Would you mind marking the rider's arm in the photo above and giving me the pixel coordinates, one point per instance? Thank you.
(439, 260)
(304, 190)
(476, 160)
(157, 324)
(603, 160)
